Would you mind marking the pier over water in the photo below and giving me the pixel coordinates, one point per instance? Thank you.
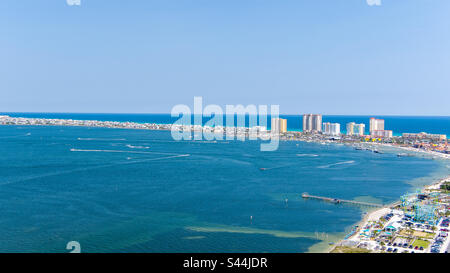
(340, 201)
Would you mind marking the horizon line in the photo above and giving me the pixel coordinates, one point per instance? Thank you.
(168, 113)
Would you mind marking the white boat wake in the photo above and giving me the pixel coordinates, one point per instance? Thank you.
(307, 155)
(336, 164)
(29, 178)
(119, 151)
(6, 137)
(102, 139)
(137, 147)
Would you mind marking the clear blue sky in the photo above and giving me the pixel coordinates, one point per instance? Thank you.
(145, 56)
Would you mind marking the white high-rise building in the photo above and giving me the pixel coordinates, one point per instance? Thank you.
(312, 123)
(326, 127)
(307, 123)
(350, 128)
(359, 129)
(376, 124)
(377, 129)
(354, 129)
(317, 123)
(333, 129)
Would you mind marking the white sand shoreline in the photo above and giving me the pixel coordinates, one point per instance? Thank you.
(417, 150)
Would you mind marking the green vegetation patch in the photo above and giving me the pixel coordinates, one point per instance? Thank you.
(347, 249)
(445, 187)
(421, 243)
(415, 233)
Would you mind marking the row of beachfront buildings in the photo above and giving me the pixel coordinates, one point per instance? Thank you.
(312, 123)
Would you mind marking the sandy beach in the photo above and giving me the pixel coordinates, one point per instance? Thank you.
(417, 150)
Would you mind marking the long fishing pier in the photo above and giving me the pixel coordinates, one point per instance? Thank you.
(340, 201)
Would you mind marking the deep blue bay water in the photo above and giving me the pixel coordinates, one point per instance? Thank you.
(120, 190)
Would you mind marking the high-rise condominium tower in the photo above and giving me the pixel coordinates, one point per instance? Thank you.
(376, 124)
(377, 129)
(279, 125)
(333, 129)
(312, 123)
(354, 129)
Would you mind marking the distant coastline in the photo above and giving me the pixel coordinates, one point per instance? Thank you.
(411, 124)
(260, 132)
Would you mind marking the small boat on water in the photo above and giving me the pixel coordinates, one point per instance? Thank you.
(262, 169)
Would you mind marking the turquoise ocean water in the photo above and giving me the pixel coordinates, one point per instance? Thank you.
(119, 190)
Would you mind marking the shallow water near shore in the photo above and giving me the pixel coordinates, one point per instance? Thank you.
(119, 190)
